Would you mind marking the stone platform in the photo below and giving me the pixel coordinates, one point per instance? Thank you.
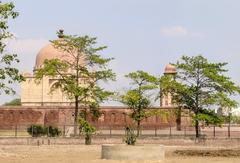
(133, 152)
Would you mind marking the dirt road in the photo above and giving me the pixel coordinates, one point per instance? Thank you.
(86, 154)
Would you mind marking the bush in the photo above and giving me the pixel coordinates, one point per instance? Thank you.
(36, 130)
(53, 131)
(131, 137)
(39, 130)
(86, 129)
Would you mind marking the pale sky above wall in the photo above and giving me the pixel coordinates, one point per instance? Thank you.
(140, 34)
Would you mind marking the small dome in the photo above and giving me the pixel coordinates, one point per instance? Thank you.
(170, 69)
(49, 52)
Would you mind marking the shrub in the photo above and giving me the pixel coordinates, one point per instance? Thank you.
(131, 137)
(39, 130)
(53, 131)
(36, 130)
(86, 129)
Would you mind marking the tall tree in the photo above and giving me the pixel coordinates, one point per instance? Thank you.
(201, 86)
(138, 97)
(164, 88)
(80, 72)
(8, 73)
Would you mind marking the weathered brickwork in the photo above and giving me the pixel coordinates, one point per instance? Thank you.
(114, 117)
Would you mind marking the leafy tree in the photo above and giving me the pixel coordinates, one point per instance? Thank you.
(235, 119)
(14, 102)
(8, 73)
(200, 86)
(80, 72)
(208, 117)
(164, 88)
(138, 98)
(162, 85)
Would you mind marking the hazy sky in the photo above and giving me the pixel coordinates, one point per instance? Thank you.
(140, 34)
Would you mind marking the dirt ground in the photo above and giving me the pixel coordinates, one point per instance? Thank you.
(92, 154)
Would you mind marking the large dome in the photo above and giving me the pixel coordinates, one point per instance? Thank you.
(49, 52)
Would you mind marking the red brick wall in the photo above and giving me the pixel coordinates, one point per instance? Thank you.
(114, 117)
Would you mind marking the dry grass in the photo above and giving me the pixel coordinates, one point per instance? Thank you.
(210, 153)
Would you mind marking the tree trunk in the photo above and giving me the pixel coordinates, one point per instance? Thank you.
(85, 114)
(197, 128)
(76, 116)
(178, 119)
(88, 139)
(138, 128)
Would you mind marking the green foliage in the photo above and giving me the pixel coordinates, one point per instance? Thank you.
(39, 130)
(36, 130)
(95, 112)
(131, 137)
(163, 85)
(86, 129)
(93, 70)
(234, 119)
(157, 112)
(137, 102)
(142, 79)
(8, 73)
(14, 102)
(138, 97)
(201, 85)
(80, 73)
(208, 117)
(53, 131)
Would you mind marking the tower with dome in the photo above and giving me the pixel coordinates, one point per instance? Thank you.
(166, 99)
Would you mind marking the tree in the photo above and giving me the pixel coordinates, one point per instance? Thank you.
(80, 73)
(200, 86)
(138, 98)
(8, 73)
(164, 88)
(14, 102)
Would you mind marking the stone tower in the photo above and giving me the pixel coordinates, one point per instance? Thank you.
(166, 100)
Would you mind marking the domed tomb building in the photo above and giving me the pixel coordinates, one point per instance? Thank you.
(39, 93)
